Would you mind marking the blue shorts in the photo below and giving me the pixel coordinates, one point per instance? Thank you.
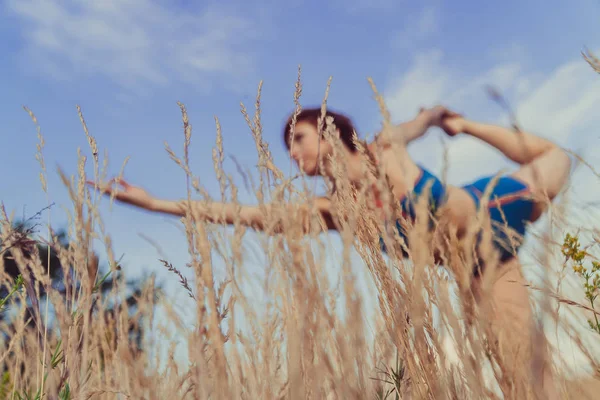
(510, 205)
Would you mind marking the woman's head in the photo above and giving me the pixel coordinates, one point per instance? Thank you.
(306, 145)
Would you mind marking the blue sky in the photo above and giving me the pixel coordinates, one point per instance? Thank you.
(128, 62)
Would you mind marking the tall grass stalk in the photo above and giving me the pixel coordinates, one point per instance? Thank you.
(298, 330)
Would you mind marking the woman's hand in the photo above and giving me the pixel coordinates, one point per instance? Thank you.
(126, 193)
(451, 122)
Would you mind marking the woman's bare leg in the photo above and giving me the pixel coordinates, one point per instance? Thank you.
(508, 307)
(545, 169)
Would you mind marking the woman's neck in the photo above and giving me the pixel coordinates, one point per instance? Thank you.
(353, 169)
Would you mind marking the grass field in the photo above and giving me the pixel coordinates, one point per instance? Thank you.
(309, 336)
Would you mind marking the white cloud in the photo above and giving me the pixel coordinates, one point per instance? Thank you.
(429, 81)
(562, 108)
(418, 27)
(566, 102)
(135, 42)
(560, 105)
(426, 82)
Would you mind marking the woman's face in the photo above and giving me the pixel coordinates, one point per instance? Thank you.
(306, 146)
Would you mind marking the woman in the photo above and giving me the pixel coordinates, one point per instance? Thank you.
(515, 199)
(522, 196)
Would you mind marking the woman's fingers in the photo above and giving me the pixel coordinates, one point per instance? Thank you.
(453, 114)
(105, 188)
(108, 186)
(443, 117)
(122, 182)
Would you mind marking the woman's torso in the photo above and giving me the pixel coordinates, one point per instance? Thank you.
(409, 180)
(456, 207)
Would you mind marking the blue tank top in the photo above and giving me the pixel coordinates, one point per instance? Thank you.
(510, 203)
(428, 185)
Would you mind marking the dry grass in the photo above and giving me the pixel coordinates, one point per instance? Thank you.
(297, 343)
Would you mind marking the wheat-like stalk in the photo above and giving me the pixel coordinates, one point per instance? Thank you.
(304, 328)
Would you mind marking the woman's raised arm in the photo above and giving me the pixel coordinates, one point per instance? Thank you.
(404, 133)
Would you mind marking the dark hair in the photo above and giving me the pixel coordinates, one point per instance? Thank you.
(342, 123)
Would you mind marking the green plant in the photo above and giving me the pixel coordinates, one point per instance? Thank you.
(590, 274)
(392, 376)
(17, 285)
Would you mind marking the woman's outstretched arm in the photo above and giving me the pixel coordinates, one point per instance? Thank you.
(213, 212)
(255, 217)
